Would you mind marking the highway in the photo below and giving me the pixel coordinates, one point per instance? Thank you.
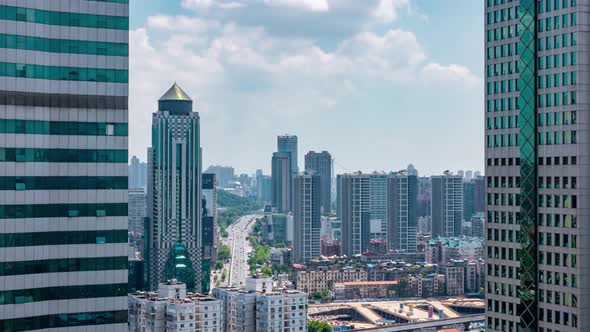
(237, 269)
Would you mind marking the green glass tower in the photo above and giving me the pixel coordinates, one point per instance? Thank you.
(63, 165)
(537, 165)
(174, 193)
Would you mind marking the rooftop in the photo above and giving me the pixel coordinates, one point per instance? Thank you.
(175, 93)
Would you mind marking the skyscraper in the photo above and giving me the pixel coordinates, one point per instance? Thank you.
(263, 187)
(402, 212)
(288, 144)
(307, 217)
(447, 205)
(282, 182)
(137, 174)
(468, 199)
(137, 208)
(174, 192)
(537, 165)
(63, 165)
(209, 230)
(321, 164)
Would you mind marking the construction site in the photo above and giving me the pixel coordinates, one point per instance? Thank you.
(462, 314)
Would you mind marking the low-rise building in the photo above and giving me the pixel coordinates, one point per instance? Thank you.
(454, 279)
(313, 280)
(172, 309)
(358, 290)
(423, 286)
(259, 308)
(442, 250)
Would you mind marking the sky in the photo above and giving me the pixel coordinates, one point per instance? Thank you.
(379, 84)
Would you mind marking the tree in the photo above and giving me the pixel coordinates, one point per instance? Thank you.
(317, 326)
(266, 271)
(322, 295)
(219, 265)
(224, 252)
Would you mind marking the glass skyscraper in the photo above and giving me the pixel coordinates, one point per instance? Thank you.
(537, 165)
(63, 165)
(174, 193)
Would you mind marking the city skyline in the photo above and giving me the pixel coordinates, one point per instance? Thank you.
(240, 80)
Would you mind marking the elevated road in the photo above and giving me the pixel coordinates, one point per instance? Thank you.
(465, 320)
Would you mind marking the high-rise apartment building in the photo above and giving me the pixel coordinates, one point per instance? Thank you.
(63, 165)
(260, 308)
(354, 210)
(172, 309)
(137, 210)
(537, 165)
(174, 193)
(402, 212)
(363, 205)
(282, 182)
(447, 205)
(321, 164)
(137, 174)
(307, 199)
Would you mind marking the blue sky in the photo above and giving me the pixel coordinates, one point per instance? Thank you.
(378, 83)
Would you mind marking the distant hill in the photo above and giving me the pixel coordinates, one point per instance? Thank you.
(229, 200)
(234, 207)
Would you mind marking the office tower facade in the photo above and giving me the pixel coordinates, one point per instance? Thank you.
(209, 236)
(282, 182)
(63, 164)
(479, 193)
(402, 212)
(174, 193)
(307, 200)
(288, 144)
(137, 174)
(137, 210)
(468, 199)
(321, 164)
(537, 165)
(447, 205)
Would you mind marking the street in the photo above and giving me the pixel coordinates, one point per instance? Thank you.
(237, 269)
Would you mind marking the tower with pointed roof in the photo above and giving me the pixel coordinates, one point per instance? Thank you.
(174, 192)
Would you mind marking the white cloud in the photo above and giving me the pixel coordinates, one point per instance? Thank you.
(197, 4)
(387, 11)
(450, 73)
(241, 75)
(181, 23)
(206, 4)
(231, 5)
(310, 5)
